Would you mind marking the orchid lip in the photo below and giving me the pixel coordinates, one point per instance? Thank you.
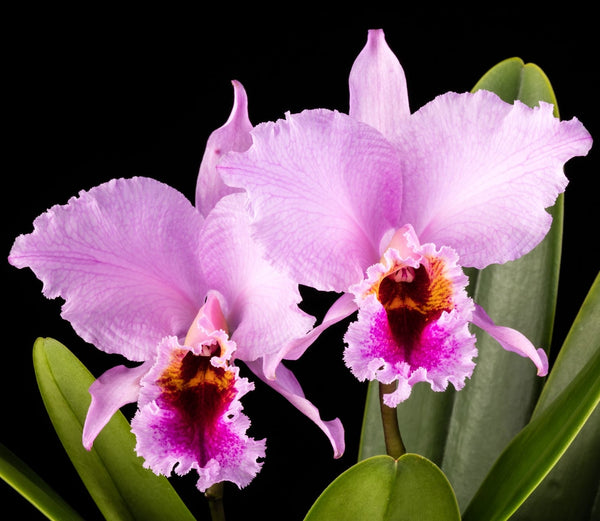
(413, 319)
(190, 414)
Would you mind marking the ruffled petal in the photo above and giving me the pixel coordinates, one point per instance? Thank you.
(413, 320)
(260, 303)
(322, 186)
(378, 94)
(288, 386)
(114, 389)
(444, 355)
(190, 417)
(124, 256)
(511, 340)
(233, 135)
(479, 173)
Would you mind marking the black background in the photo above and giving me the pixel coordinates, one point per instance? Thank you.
(101, 92)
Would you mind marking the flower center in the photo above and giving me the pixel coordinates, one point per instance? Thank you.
(414, 297)
(198, 385)
(199, 391)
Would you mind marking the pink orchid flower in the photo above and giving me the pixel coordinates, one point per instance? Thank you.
(185, 291)
(386, 207)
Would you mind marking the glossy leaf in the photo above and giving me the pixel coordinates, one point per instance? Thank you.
(111, 471)
(537, 448)
(464, 432)
(384, 489)
(498, 401)
(32, 487)
(512, 79)
(570, 489)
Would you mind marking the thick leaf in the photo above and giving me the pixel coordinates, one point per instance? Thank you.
(513, 79)
(537, 448)
(111, 471)
(32, 487)
(498, 401)
(384, 489)
(465, 432)
(570, 489)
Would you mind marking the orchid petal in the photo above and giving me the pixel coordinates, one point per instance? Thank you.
(413, 328)
(190, 417)
(511, 340)
(378, 94)
(343, 307)
(124, 258)
(259, 302)
(479, 173)
(114, 389)
(233, 135)
(322, 187)
(286, 384)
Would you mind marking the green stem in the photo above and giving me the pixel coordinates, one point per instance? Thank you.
(391, 431)
(214, 495)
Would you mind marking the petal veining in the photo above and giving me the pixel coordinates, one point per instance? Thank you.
(479, 173)
(323, 188)
(378, 94)
(124, 256)
(260, 302)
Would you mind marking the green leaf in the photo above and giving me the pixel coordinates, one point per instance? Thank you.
(111, 471)
(498, 400)
(464, 432)
(537, 448)
(569, 490)
(384, 489)
(32, 487)
(512, 79)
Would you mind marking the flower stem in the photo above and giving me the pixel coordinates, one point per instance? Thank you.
(391, 430)
(214, 494)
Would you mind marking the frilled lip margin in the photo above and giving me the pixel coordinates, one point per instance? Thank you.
(190, 418)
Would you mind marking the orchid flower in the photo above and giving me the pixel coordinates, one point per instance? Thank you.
(386, 207)
(186, 292)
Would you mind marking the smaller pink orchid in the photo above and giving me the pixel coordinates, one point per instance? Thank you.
(185, 291)
(386, 207)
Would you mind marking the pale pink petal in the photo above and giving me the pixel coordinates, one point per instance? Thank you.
(190, 417)
(511, 340)
(233, 135)
(260, 303)
(378, 94)
(479, 173)
(323, 188)
(288, 386)
(124, 256)
(116, 387)
(341, 308)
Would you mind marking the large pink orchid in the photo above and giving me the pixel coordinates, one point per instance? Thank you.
(185, 291)
(387, 207)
